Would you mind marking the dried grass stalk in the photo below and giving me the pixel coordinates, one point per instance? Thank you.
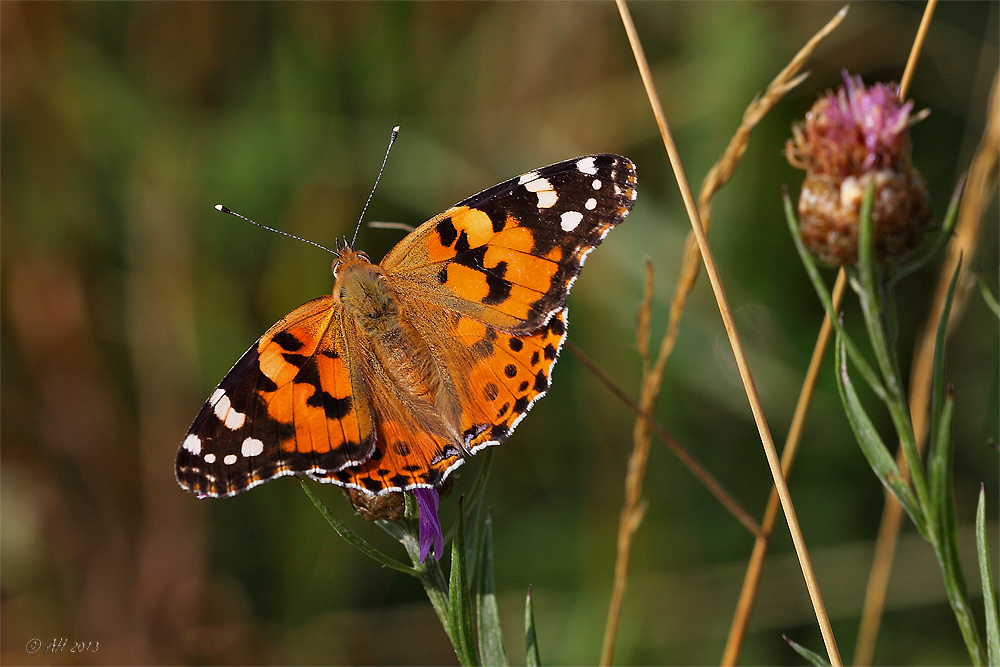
(653, 375)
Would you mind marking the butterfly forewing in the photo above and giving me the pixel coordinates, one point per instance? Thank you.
(289, 405)
(509, 255)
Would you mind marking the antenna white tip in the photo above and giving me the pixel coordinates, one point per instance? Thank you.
(396, 129)
(220, 207)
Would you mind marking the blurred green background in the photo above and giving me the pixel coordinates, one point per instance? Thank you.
(126, 298)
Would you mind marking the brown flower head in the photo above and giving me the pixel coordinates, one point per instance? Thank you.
(849, 139)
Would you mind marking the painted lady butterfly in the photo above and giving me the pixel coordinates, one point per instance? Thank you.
(439, 351)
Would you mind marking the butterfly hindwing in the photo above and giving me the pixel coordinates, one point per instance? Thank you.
(510, 373)
(509, 255)
(289, 405)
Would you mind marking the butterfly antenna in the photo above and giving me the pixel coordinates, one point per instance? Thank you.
(392, 138)
(220, 207)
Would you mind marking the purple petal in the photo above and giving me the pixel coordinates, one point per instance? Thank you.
(430, 525)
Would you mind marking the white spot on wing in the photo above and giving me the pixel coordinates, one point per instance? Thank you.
(234, 420)
(596, 184)
(252, 447)
(224, 411)
(591, 204)
(587, 166)
(209, 458)
(221, 404)
(530, 176)
(192, 443)
(547, 196)
(216, 395)
(569, 220)
(230, 459)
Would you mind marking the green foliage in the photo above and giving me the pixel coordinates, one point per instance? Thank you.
(930, 503)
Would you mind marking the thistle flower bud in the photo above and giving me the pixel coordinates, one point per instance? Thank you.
(850, 139)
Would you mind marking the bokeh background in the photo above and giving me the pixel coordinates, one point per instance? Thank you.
(126, 297)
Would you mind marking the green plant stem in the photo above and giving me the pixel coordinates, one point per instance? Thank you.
(868, 285)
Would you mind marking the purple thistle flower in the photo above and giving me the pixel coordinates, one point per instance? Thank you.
(430, 525)
(853, 131)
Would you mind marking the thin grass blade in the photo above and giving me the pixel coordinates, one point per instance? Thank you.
(353, 538)
(946, 536)
(937, 374)
(927, 251)
(479, 484)
(531, 658)
(491, 648)
(991, 301)
(459, 599)
(812, 657)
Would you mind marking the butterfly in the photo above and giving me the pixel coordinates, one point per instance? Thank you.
(410, 365)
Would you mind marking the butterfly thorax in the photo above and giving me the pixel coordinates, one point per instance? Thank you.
(366, 295)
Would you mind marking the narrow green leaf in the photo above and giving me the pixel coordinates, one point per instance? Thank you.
(939, 467)
(824, 296)
(937, 374)
(945, 531)
(991, 301)
(459, 600)
(811, 656)
(926, 251)
(874, 450)
(986, 575)
(491, 648)
(531, 658)
(353, 538)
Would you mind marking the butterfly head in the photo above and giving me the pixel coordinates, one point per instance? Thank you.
(347, 255)
(361, 288)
